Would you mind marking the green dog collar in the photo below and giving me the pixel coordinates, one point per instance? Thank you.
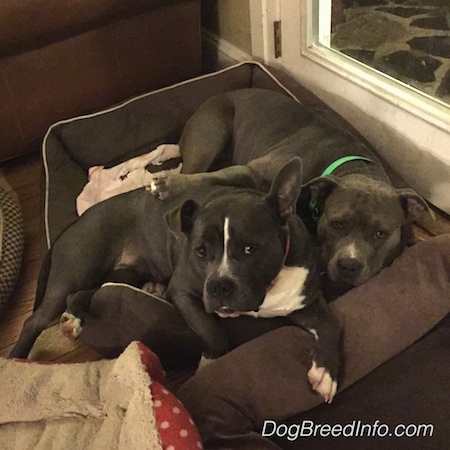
(328, 171)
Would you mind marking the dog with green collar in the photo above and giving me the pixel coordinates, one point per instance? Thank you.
(361, 220)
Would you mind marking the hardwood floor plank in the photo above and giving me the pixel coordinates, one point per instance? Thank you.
(22, 172)
(10, 331)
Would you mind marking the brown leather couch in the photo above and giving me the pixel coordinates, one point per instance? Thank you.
(59, 59)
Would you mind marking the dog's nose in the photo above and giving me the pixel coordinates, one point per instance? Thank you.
(349, 267)
(221, 287)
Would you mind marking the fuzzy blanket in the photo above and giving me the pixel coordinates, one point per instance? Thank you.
(98, 405)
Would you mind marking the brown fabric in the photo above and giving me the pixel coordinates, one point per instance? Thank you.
(266, 378)
(410, 389)
(78, 57)
(135, 315)
(29, 24)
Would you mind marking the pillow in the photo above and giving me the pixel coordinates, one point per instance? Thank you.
(120, 313)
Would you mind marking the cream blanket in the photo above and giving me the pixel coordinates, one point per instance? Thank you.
(97, 405)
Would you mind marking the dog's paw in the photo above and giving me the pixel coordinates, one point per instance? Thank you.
(321, 382)
(70, 325)
(166, 185)
(204, 361)
(155, 288)
(158, 184)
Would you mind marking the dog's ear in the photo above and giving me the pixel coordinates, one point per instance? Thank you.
(286, 187)
(321, 187)
(413, 204)
(181, 219)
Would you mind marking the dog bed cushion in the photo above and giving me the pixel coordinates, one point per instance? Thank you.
(115, 404)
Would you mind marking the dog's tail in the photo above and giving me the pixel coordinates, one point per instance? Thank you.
(43, 279)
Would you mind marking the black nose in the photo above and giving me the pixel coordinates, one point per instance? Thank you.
(221, 287)
(349, 267)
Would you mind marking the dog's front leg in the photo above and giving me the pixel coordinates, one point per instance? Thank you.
(318, 320)
(166, 185)
(206, 326)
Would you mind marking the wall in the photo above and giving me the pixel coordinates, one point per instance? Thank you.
(229, 20)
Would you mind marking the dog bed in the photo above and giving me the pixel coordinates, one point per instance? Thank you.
(266, 377)
(72, 147)
(108, 404)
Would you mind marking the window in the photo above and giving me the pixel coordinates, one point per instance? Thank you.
(407, 40)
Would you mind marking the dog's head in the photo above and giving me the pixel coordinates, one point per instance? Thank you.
(236, 243)
(361, 224)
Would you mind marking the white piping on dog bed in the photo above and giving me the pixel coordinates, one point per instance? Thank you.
(136, 289)
(121, 105)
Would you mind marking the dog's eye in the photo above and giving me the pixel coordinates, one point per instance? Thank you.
(200, 251)
(336, 224)
(249, 249)
(381, 234)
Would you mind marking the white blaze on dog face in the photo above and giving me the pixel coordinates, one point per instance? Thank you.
(224, 268)
(352, 251)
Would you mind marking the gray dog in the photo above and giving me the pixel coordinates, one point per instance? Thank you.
(361, 217)
(223, 252)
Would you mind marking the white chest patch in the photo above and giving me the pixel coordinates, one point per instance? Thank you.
(285, 296)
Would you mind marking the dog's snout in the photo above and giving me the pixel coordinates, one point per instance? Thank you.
(349, 267)
(221, 287)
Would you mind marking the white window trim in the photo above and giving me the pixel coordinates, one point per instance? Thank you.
(383, 86)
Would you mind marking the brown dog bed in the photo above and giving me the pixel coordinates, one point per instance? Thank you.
(266, 377)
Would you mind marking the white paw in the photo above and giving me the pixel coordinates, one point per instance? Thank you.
(151, 187)
(158, 185)
(70, 325)
(204, 362)
(322, 382)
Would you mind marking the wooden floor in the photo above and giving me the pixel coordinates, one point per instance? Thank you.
(24, 177)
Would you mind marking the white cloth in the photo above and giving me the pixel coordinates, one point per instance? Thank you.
(105, 183)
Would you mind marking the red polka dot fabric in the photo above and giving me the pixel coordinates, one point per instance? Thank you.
(176, 429)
